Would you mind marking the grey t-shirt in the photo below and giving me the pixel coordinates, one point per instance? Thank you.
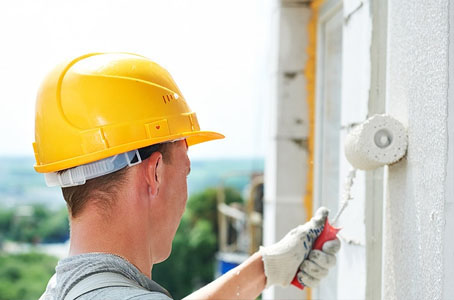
(71, 270)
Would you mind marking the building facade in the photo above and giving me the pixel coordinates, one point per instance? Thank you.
(337, 63)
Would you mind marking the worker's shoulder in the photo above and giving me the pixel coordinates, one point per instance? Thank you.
(123, 293)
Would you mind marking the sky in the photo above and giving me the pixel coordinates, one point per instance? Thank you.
(218, 52)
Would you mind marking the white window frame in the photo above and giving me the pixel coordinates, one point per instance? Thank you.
(327, 11)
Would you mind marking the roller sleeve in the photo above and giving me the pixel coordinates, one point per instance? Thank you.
(380, 140)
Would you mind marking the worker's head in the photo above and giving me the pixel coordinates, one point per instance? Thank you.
(111, 126)
(103, 191)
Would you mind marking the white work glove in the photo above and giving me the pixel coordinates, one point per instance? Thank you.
(316, 266)
(282, 260)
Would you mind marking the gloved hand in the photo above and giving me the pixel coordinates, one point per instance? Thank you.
(282, 260)
(316, 266)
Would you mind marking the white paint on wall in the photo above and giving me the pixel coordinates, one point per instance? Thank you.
(417, 84)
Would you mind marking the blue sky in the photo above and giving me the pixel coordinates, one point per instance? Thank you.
(217, 51)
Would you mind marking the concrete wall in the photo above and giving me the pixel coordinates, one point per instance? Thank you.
(286, 160)
(418, 253)
(415, 41)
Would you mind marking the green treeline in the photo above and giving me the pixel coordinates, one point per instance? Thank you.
(24, 276)
(34, 224)
(192, 262)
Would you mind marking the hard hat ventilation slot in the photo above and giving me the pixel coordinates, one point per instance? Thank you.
(169, 97)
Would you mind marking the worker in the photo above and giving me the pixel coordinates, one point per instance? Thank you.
(113, 131)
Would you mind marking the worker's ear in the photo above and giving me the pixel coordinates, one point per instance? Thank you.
(153, 172)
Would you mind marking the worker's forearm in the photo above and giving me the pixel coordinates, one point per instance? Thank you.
(246, 281)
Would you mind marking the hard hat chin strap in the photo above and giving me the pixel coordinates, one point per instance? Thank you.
(80, 174)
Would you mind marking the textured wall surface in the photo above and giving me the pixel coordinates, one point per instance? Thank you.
(417, 96)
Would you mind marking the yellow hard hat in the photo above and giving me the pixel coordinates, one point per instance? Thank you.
(103, 104)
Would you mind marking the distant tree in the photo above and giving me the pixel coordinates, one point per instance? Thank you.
(55, 228)
(6, 219)
(25, 276)
(39, 224)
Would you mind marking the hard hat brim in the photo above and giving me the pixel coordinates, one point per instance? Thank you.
(203, 136)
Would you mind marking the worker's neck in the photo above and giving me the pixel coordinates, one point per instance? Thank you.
(118, 234)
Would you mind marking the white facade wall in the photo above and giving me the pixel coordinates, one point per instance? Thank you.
(404, 53)
(286, 161)
(418, 253)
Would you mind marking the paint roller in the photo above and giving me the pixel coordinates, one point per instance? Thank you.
(379, 141)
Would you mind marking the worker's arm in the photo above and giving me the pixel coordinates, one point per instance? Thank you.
(246, 281)
(277, 264)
